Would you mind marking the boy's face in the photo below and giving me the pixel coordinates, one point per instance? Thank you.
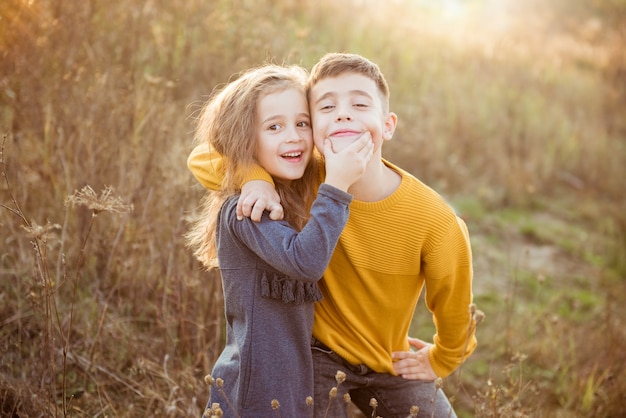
(344, 107)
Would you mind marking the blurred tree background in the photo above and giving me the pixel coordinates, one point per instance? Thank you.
(514, 110)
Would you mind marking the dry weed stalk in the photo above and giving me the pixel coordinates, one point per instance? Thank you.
(503, 400)
(39, 235)
(347, 399)
(309, 404)
(218, 383)
(340, 377)
(438, 384)
(215, 407)
(374, 405)
(106, 202)
(476, 317)
(276, 407)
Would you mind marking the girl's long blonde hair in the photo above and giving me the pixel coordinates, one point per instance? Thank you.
(227, 122)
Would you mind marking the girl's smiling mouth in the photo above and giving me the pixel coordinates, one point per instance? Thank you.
(293, 155)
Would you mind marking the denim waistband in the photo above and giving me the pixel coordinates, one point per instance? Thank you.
(360, 369)
(317, 343)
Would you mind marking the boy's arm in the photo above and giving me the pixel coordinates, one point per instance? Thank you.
(208, 167)
(449, 299)
(257, 194)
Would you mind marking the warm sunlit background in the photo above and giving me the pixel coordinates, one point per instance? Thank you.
(514, 110)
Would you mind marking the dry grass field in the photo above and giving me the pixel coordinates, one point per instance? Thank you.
(514, 110)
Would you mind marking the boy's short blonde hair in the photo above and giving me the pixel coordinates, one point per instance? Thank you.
(335, 64)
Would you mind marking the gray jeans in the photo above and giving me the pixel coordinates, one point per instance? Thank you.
(394, 395)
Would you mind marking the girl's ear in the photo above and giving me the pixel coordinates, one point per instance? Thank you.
(391, 121)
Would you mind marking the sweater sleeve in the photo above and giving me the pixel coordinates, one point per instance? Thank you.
(303, 254)
(448, 296)
(208, 167)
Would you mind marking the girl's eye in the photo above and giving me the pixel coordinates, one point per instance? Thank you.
(303, 124)
(274, 127)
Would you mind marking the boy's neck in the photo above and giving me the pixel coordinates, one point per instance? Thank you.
(377, 183)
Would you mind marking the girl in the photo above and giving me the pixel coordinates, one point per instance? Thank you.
(270, 269)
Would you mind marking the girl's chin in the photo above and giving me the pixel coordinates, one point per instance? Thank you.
(285, 180)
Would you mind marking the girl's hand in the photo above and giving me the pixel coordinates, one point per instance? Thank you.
(414, 365)
(345, 167)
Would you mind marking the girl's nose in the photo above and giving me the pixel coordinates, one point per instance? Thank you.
(294, 135)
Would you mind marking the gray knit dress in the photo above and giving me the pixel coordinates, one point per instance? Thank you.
(269, 275)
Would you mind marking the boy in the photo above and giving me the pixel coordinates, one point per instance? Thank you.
(400, 237)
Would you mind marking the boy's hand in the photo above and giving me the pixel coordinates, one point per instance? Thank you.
(414, 365)
(256, 197)
(346, 166)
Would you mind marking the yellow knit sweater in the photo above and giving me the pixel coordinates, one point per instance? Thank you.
(387, 253)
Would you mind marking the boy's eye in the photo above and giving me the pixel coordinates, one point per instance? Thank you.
(327, 107)
(360, 105)
(303, 124)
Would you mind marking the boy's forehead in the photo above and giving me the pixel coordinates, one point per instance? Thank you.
(343, 83)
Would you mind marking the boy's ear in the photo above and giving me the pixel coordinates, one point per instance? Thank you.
(390, 126)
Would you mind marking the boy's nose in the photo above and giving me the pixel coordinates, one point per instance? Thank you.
(343, 115)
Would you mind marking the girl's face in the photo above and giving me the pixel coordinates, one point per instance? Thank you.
(284, 137)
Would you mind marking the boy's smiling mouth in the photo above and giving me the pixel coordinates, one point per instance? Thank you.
(344, 133)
